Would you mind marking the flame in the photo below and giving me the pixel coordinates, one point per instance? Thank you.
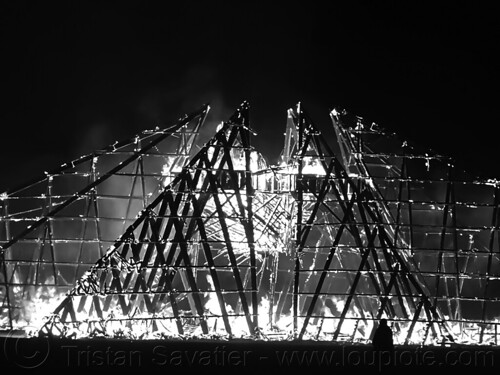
(37, 309)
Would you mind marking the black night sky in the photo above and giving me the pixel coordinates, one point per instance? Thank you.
(78, 75)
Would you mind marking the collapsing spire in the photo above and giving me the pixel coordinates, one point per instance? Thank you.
(333, 238)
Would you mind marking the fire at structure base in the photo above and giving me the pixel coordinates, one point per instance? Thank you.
(149, 238)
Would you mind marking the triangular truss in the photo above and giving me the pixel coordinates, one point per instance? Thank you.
(347, 249)
(197, 235)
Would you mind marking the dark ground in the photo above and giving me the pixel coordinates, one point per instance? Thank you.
(237, 357)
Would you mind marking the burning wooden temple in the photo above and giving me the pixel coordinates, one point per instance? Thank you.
(160, 236)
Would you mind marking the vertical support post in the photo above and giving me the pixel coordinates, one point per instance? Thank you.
(298, 229)
(493, 230)
(6, 284)
(248, 218)
(458, 310)
(443, 244)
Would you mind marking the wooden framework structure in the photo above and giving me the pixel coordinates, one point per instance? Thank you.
(320, 246)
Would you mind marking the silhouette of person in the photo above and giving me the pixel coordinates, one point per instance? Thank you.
(382, 338)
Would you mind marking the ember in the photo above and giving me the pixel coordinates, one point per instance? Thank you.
(219, 244)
